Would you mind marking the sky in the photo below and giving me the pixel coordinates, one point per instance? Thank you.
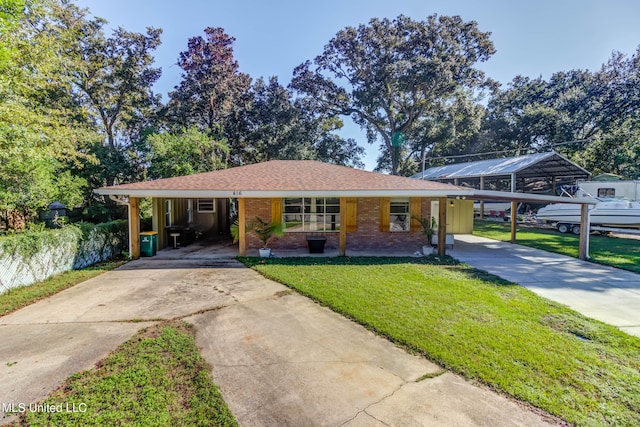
(532, 38)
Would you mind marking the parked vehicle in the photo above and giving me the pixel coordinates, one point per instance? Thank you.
(606, 213)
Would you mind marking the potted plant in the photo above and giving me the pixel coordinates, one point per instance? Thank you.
(428, 226)
(264, 230)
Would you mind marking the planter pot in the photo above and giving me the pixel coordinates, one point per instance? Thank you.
(449, 240)
(265, 252)
(316, 244)
(427, 249)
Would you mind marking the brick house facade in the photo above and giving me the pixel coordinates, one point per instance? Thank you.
(360, 204)
(367, 233)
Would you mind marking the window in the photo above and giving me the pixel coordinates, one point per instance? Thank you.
(399, 215)
(606, 192)
(206, 205)
(311, 214)
(167, 209)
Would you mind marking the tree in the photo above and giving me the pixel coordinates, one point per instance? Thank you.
(275, 126)
(592, 117)
(185, 153)
(329, 147)
(269, 127)
(10, 14)
(113, 80)
(42, 132)
(212, 89)
(452, 128)
(533, 114)
(389, 75)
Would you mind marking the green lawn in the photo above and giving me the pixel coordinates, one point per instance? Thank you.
(157, 378)
(614, 251)
(484, 328)
(17, 298)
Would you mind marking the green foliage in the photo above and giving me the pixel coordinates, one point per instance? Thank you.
(401, 75)
(428, 226)
(157, 378)
(235, 231)
(71, 98)
(597, 110)
(264, 230)
(113, 78)
(42, 133)
(29, 243)
(484, 328)
(275, 126)
(185, 153)
(212, 89)
(10, 13)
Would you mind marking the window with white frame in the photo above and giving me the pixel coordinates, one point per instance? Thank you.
(311, 214)
(206, 205)
(399, 215)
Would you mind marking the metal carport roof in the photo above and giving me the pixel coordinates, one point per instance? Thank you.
(541, 165)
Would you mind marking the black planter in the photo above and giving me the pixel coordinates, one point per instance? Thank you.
(316, 244)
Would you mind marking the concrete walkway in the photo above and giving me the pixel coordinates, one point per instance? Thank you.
(279, 358)
(603, 293)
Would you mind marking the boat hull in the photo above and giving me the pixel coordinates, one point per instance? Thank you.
(607, 214)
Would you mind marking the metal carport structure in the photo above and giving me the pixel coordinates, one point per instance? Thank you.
(520, 172)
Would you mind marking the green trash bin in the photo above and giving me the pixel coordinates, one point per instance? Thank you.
(149, 243)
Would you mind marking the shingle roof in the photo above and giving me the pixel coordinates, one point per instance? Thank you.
(296, 178)
(281, 176)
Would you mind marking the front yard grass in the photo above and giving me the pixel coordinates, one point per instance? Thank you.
(608, 250)
(157, 378)
(482, 327)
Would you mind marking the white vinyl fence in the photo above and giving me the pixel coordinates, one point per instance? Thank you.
(30, 257)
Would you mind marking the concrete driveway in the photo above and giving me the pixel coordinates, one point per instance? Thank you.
(279, 358)
(608, 294)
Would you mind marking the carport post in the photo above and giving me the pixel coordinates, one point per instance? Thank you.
(343, 226)
(514, 220)
(482, 201)
(584, 231)
(134, 227)
(442, 225)
(242, 225)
